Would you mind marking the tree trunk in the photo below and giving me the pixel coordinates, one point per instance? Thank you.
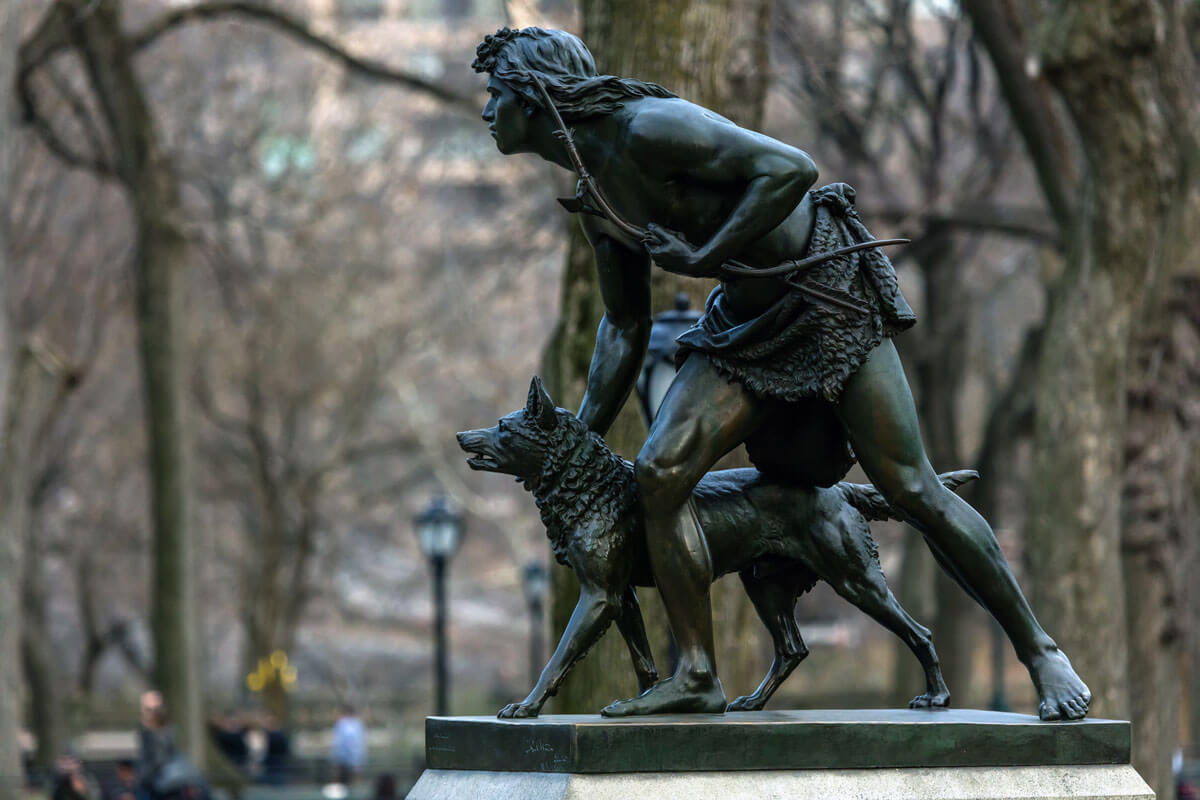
(30, 390)
(1162, 443)
(1126, 78)
(11, 780)
(712, 52)
(47, 719)
(1107, 62)
(158, 264)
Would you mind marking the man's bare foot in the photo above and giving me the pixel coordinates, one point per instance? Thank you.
(1063, 693)
(675, 695)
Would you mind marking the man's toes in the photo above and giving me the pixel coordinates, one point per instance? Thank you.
(1075, 709)
(1049, 711)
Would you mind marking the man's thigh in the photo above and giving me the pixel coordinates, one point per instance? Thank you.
(703, 416)
(880, 418)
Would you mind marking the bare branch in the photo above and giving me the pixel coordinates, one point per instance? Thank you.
(299, 30)
(55, 143)
(51, 35)
(83, 116)
(1020, 223)
(1032, 113)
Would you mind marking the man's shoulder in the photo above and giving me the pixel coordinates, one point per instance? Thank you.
(654, 120)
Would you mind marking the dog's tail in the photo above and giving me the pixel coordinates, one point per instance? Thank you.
(867, 499)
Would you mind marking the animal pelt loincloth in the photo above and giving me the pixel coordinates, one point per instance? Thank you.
(801, 351)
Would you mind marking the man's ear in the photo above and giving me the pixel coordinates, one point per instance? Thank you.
(540, 406)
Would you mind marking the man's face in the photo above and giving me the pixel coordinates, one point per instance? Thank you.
(506, 117)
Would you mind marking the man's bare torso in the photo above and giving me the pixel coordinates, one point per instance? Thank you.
(645, 189)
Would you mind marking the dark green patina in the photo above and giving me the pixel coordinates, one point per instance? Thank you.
(760, 740)
(796, 365)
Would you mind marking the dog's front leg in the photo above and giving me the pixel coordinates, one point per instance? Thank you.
(593, 614)
(633, 629)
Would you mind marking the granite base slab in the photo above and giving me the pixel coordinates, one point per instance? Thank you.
(966, 783)
(894, 754)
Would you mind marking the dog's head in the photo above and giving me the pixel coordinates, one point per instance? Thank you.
(519, 444)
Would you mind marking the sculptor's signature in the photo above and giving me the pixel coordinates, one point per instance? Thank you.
(539, 747)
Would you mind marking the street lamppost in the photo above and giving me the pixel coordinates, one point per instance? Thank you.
(535, 578)
(658, 368)
(439, 530)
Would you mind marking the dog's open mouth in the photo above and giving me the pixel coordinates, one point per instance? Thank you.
(476, 444)
(483, 462)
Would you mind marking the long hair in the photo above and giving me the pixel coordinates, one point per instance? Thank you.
(565, 67)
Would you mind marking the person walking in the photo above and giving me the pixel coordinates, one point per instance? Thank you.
(348, 748)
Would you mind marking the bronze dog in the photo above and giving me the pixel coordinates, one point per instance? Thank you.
(779, 538)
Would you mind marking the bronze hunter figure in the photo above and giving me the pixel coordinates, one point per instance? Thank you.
(793, 356)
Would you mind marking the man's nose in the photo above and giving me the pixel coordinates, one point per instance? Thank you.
(488, 113)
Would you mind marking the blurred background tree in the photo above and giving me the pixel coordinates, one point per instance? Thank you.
(715, 54)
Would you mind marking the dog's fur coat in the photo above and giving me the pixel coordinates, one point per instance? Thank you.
(779, 538)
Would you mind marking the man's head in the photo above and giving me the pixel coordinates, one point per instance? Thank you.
(154, 709)
(125, 772)
(513, 56)
(517, 60)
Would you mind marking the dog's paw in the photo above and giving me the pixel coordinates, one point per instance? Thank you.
(927, 700)
(746, 703)
(519, 711)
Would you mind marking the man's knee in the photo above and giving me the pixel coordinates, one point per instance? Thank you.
(911, 489)
(661, 481)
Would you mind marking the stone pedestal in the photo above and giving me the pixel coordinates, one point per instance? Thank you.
(797, 755)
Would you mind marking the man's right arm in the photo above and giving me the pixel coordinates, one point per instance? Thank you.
(624, 331)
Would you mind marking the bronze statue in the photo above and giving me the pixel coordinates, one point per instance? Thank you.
(793, 356)
(780, 537)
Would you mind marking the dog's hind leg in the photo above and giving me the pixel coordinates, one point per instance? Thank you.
(774, 598)
(870, 593)
(633, 629)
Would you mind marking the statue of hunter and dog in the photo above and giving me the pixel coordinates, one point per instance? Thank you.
(793, 358)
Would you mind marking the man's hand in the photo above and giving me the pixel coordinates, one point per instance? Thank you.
(674, 254)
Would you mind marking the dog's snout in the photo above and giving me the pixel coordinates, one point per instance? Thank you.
(472, 439)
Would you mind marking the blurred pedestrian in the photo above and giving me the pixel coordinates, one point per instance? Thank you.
(385, 787)
(348, 749)
(123, 785)
(156, 744)
(163, 772)
(71, 781)
(228, 732)
(277, 757)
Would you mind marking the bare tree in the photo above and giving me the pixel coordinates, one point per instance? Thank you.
(11, 780)
(713, 53)
(123, 144)
(1122, 184)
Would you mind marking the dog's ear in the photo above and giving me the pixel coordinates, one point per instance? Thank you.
(540, 406)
